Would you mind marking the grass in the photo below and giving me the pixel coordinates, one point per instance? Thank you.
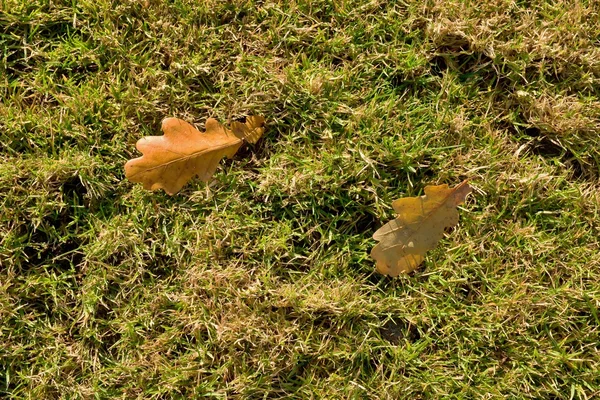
(260, 284)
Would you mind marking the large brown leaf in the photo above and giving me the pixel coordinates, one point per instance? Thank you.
(171, 160)
(418, 228)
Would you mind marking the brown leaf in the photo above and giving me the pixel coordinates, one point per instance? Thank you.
(418, 228)
(171, 160)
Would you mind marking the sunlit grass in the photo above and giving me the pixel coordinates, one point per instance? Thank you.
(260, 284)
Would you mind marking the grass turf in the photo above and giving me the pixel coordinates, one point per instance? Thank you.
(259, 285)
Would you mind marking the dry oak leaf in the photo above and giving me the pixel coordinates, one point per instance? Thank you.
(171, 160)
(418, 228)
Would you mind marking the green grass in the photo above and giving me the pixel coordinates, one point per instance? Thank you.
(260, 284)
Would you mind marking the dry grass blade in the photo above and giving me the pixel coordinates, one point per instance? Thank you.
(418, 228)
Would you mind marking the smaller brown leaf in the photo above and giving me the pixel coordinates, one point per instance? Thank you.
(418, 228)
(170, 161)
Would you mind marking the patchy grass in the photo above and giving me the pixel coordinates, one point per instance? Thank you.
(259, 285)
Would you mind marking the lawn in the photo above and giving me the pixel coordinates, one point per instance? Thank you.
(259, 284)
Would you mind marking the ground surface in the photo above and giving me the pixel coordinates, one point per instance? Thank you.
(260, 284)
